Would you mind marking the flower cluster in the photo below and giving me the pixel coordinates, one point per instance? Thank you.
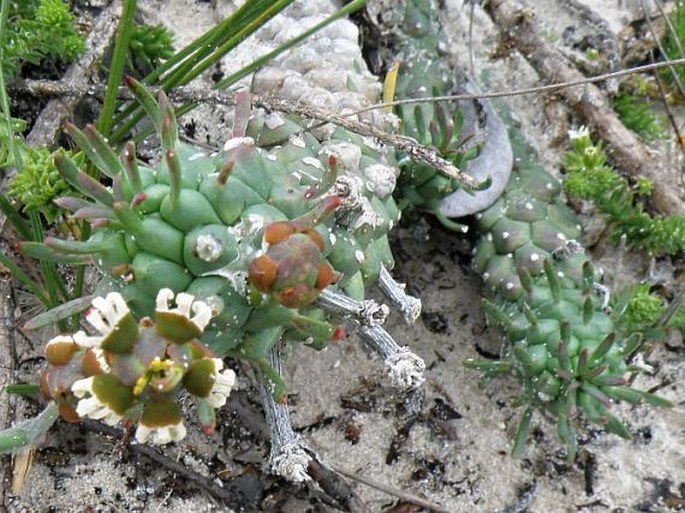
(134, 371)
(293, 269)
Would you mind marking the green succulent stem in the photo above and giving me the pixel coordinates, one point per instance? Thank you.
(131, 165)
(79, 247)
(174, 165)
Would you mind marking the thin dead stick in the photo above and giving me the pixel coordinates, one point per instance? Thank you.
(223, 493)
(526, 90)
(588, 102)
(674, 73)
(392, 491)
(674, 36)
(51, 88)
(47, 127)
(594, 110)
(416, 151)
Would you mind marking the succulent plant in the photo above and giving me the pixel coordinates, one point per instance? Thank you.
(561, 340)
(150, 45)
(255, 233)
(570, 354)
(468, 134)
(280, 233)
(434, 124)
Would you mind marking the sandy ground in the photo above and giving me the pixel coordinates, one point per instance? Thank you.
(455, 452)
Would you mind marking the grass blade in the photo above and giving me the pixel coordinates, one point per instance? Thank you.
(116, 67)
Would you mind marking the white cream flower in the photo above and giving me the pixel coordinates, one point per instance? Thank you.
(100, 357)
(90, 406)
(185, 303)
(106, 313)
(581, 133)
(84, 340)
(223, 384)
(161, 435)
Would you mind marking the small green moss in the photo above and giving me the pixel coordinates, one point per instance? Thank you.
(637, 115)
(40, 30)
(592, 54)
(590, 178)
(644, 308)
(643, 186)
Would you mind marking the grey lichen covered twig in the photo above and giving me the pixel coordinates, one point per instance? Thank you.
(410, 306)
(405, 368)
(288, 458)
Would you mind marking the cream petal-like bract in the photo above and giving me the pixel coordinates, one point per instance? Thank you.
(224, 381)
(160, 435)
(185, 305)
(89, 406)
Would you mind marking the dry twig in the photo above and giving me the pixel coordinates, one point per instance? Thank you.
(6, 412)
(53, 89)
(407, 497)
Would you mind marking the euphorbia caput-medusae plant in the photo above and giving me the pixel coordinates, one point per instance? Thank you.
(279, 234)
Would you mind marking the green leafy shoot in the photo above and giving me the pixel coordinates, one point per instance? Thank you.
(8, 130)
(639, 311)
(39, 30)
(38, 183)
(150, 45)
(635, 113)
(590, 178)
(116, 67)
(51, 288)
